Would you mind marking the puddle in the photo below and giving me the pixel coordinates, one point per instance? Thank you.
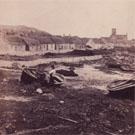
(15, 98)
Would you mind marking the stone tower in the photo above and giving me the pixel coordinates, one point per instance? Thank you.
(113, 31)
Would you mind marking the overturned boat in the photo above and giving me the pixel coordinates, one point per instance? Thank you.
(66, 72)
(122, 89)
(70, 72)
(30, 76)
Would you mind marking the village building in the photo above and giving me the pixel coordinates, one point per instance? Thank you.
(132, 42)
(30, 43)
(115, 38)
(108, 42)
(4, 45)
(20, 44)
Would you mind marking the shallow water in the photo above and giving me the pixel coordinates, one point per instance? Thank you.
(47, 60)
(89, 76)
(92, 77)
(89, 72)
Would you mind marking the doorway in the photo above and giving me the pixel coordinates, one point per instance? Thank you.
(27, 48)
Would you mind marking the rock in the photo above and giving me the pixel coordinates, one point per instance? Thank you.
(4, 80)
(120, 131)
(61, 102)
(91, 134)
(23, 90)
(102, 115)
(10, 129)
(82, 133)
(49, 96)
(107, 123)
(39, 90)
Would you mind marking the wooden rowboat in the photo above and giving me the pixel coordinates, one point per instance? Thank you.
(122, 88)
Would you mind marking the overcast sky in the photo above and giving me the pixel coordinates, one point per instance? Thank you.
(90, 18)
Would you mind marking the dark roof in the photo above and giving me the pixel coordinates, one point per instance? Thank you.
(84, 40)
(23, 35)
(75, 40)
(106, 39)
(45, 40)
(67, 39)
(30, 41)
(98, 41)
(57, 39)
(121, 36)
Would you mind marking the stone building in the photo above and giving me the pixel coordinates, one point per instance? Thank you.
(117, 38)
(109, 42)
(55, 44)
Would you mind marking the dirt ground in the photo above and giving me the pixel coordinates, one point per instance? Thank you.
(69, 109)
(62, 111)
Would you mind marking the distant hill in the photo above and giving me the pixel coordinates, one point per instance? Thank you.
(22, 34)
(21, 30)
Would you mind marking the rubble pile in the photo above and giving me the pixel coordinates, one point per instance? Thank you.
(123, 60)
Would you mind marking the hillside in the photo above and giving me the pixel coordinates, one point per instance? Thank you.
(32, 36)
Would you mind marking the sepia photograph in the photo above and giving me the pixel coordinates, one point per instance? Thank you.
(67, 67)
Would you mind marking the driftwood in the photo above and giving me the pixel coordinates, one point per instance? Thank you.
(109, 133)
(67, 119)
(30, 131)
